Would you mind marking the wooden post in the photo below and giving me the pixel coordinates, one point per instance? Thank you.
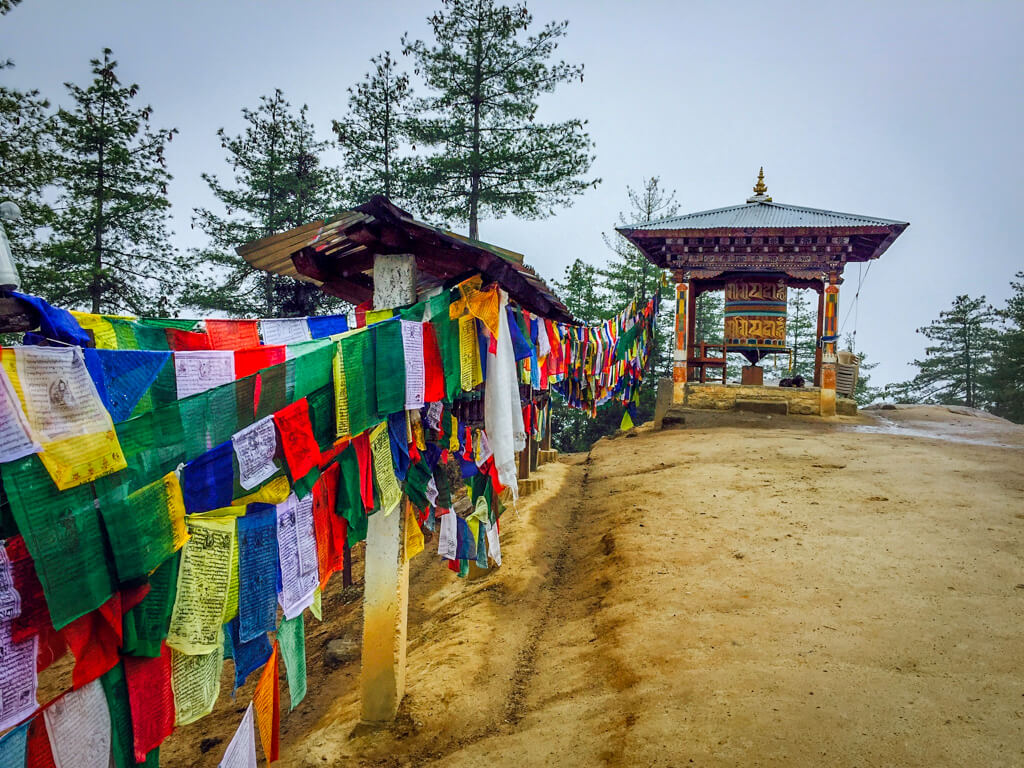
(680, 357)
(386, 575)
(817, 337)
(830, 332)
(533, 446)
(545, 443)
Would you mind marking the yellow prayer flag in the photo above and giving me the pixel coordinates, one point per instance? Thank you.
(384, 470)
(343, 427)
(413, 534)
(274, 492)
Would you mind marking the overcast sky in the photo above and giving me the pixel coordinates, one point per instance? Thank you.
(904, 110)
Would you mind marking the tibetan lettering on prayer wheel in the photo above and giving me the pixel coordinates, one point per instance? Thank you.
(755, 317)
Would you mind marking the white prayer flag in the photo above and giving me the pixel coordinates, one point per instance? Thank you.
(284, 330)
(15, 436)
(241, 752)
(78, 724)
(255, 447)
(203, 369)
(412, 344)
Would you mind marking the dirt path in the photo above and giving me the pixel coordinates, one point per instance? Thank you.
(738, 592)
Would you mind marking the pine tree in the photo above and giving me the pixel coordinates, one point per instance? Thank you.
(581, 293)
(710, 323)
(956, 364)
(373, 133)
(801, 327)
(26, 165)
(1006, 380)
(109, 247)
(485, 74)
(630, 276)
(279, 183)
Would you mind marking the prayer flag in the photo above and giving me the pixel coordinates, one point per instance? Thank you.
(291, 640)
(232, 334)
(267, 701)
(241, 752)
(257, 571)
(151, 700)
(300, 449)
(203, 582)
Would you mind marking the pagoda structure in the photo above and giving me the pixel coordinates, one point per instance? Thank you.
(753, 253)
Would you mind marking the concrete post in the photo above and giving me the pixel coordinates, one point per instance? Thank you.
(680, 359)
(386, 578)
(829, 336)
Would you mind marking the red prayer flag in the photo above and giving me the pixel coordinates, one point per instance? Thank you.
(35, 616)
(95, 639)
(248, 361)
(433, 385)
(151, 700)
(38, 752)
(328, 526)
(186, 341)
(300, 447)
(233, 334)
(362, 446)
(266, 700)
(361, 310)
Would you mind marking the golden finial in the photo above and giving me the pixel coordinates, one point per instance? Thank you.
(760, 188)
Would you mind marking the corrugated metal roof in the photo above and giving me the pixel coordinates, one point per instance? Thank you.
(762, 214)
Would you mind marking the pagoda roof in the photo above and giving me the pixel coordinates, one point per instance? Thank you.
(763, 215)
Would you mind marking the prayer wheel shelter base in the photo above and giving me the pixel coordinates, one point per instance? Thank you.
(792, 401)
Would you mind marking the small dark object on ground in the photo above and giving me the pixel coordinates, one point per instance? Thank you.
(796, 381)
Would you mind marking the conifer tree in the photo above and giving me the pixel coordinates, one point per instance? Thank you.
(801, 327)
(581, 293)
(373, 133)
(279, 183)
(485, 73)
(956, 365)
(109, 247)
(1006, 380)
(26, 165)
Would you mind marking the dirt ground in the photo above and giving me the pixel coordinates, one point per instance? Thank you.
(743, 591)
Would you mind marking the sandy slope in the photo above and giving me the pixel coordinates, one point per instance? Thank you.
(743, 591)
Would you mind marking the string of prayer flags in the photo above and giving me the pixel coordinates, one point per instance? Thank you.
(63, 535)
(267, 701)
(233, 334)
(151, 701)
(297, 555)
(203, 581)
(285, 330)
(146, 528)
(291, 641)
(300, 448)
(200, 370)
(195, 683)
(78, 724)
(384, 470)
(247, 656)
(16, 440)
(257, 571)
(241, 751)
(255, 448)
(66, 413)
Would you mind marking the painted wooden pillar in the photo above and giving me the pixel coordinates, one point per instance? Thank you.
(829, 336)
(680, 357)
(817, 337)
(386, 576)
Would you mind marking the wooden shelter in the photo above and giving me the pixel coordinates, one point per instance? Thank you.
(754, 252)
(338, 255)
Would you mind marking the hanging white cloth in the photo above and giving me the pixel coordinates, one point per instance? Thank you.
(503, 412)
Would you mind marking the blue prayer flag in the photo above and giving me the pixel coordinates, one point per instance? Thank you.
(257, 571)
(207, 482)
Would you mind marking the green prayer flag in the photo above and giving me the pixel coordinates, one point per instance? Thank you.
(273, 390)
(291, 639)
(311, 370)
(349, 503)
(360, 379)
(321, 416)
(389, 360)
(145, 527)
(168, 322)
(145, 625)
(151, 338)
(63, 534)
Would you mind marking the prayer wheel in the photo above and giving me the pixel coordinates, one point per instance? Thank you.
(755, 317)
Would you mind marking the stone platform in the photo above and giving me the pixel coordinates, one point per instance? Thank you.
(795, 401)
